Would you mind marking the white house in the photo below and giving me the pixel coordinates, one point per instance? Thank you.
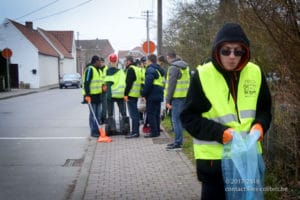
(40, 57)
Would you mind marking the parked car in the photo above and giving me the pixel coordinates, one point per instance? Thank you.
(70, 80)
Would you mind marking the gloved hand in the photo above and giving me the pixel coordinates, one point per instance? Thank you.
(257, 127)
(169, 106)
(227, 135)
(88, 99)
(125, 98)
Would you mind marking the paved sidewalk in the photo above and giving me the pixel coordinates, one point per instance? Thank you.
(19, 92)
(138, 168)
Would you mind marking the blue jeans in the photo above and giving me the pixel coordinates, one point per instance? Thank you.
(134, 115)
(177, 105)
(92, 122)
(153, 116)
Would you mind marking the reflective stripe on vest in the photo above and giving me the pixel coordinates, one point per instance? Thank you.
(104, 71)
(159, 81)
(223, 109)
(182, 84)
(135, 90)
(96, 81)
(143, 74)
(118, 86)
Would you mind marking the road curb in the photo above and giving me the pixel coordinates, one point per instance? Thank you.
(83, 177)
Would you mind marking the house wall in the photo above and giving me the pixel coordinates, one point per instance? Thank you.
(68, 66)
(27, 57)
(24, 53)
(48, 72)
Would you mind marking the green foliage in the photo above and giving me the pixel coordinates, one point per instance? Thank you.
(187, 146)
(191, 31)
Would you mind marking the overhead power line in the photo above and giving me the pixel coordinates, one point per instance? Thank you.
(49, 4)
(63, 11)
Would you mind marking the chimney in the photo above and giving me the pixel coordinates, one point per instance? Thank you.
(29, 25)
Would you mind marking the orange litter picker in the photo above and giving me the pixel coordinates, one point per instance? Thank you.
(102, 137)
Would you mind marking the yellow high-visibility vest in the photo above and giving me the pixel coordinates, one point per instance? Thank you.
(182, 84)
(223, 108)
(118, 86)
(96, 81)
(135, 90)
(143, 74)
(159, 81)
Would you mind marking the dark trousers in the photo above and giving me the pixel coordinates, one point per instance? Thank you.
(134, 115)
(153, 116)
(211, 191)
(121, 106)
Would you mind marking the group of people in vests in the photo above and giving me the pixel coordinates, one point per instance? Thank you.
(145, 80)
(226, 95)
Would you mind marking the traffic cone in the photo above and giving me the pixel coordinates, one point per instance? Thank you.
(103, 137)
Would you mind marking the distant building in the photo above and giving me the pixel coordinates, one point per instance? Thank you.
(86, 49)
(136, 53)
(39, 57)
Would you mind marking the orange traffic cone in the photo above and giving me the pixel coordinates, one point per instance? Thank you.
(103, 137)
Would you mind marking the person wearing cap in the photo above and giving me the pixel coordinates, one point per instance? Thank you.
(228, 93)
(92, 91)
(131, 94)
(104, 69)
(115, 82)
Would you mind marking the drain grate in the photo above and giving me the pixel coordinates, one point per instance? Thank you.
(5, 113)
(73, 162)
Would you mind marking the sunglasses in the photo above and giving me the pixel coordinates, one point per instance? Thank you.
(227, 52)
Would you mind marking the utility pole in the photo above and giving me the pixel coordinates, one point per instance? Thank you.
(148, 39)
(146, 15)
(159, 27)
(147, 12)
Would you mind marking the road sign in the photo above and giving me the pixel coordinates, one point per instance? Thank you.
(148, 48)
(7, 53)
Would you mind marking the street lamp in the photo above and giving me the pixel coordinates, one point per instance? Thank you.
(147, 27)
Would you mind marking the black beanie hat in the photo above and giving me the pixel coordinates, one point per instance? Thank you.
(231, 32)
(94, 59)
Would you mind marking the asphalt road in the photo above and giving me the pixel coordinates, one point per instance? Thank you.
(43, 140)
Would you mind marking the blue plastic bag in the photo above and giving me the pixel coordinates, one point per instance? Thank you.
(243, 168)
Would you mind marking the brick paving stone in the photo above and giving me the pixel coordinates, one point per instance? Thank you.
(140, 168)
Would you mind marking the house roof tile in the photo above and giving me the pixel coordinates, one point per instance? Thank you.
(62, 40)
(102, 45)
(58, 44)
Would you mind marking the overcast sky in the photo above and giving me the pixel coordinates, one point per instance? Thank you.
(91, 19)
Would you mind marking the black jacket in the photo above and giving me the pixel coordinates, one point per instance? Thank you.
(130, 78)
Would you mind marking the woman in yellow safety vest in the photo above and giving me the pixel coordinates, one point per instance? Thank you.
(226, 94)
(115, 81)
